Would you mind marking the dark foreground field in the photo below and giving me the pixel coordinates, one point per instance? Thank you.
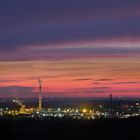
(103, 129)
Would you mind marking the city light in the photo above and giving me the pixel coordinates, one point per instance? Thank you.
(84, 110)
(122, 111)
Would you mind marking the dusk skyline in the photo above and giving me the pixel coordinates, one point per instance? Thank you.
(79, 48)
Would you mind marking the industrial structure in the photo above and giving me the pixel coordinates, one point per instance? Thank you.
(22, 106)
(23, 109)
(40, 95)
(110, 98)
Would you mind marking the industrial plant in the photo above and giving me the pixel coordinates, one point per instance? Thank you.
(101, 110)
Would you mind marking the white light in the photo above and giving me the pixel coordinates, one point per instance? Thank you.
(59, 109)
(44, 115)
(77, 110)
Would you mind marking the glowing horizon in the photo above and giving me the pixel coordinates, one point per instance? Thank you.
(79, 77)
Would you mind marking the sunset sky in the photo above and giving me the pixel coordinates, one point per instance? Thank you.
(79, 48)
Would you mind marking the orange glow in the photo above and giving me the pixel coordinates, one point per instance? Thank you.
(79, 77)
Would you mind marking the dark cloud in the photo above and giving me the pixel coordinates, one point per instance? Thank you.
(93, 90)
(25, 23)
(104, 88)
(8, 80)
(103, 80)
(50, 34)
(96, 83)
(67, 53)
(127, 82)
(83, 79)
(16, 90)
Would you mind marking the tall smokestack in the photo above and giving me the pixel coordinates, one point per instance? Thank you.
(40, 95)
(110, 98)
